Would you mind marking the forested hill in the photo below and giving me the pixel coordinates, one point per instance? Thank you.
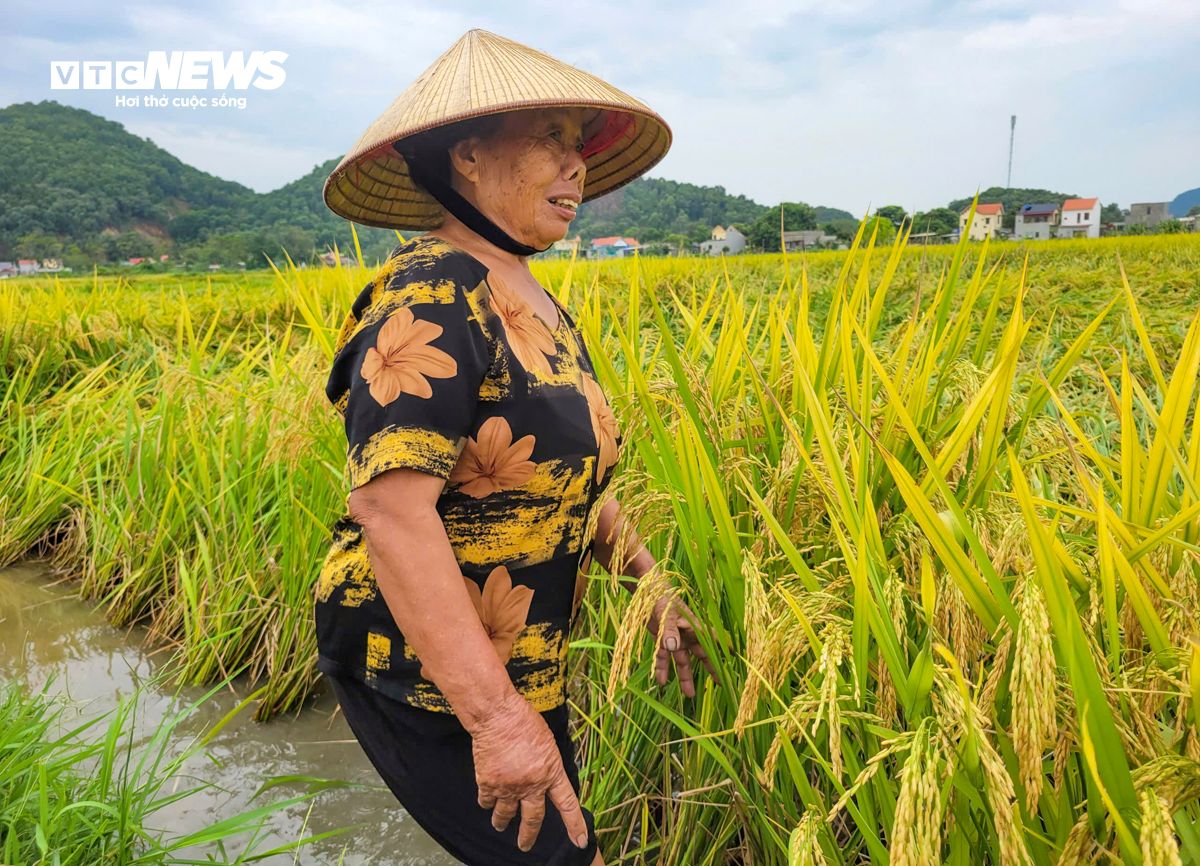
(76, 185)
(652, 209)
(68, 171)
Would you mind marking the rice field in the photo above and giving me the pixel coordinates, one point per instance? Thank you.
(939, 508)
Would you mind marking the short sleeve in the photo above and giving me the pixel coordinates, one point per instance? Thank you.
(412, 372)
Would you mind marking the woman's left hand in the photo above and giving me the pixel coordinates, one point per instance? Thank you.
(679, 640)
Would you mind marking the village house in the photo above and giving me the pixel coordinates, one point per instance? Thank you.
(27, 266)
(564, 249)
(331, 259)
(1080, 218)
(1036, 222)
(612, 248)
(8, 269)
(986, 223)
(1148, 214)
(723, 241)
(809, 239)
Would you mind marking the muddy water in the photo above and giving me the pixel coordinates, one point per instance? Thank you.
(47, 633)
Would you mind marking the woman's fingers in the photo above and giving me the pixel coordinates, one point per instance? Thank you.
(504, 812)
(670, 630)
(562, 795)
(683, 668)
(688, 632)
(662, 665)
(533, 811)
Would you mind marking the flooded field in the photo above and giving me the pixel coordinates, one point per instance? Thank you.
(47, 633)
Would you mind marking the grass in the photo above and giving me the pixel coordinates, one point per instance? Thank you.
(939, 507)
(90, 793)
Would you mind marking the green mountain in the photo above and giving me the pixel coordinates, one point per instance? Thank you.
(76, 185)
(1184, 202)
(68, 171)
(651, 209)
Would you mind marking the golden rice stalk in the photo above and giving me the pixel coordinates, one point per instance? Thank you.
(1033, 690)
(652, 586)
(1174, 778)
(803, 847)
(996, 672)
(760, 637)
(916, 838)
(1159, 846)
(758, 613)
(1080, 848)
(789, 726)
(1183, 617)
(833, 653)
(886, 750)
(958, 624)
(888, 703)
(1003, 802)
(786, 643)
(961, 715)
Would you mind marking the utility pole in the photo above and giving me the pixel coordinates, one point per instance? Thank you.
(1012, 131)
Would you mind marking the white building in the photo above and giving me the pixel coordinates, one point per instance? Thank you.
(727, 241)
(1080, 218)
(1036, 222)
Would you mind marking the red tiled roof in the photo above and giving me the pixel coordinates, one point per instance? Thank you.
(985, 209)
(631, 241)
(604, 242)
(26, 261)
(1079, 204)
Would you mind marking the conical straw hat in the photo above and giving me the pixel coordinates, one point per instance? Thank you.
(482, 73)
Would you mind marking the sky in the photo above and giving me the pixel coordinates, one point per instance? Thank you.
(852, 104)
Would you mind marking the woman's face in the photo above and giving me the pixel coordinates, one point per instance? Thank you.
(528, 176)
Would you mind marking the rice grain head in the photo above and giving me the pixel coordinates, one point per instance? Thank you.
(1033, 690)
(916, 838)
(803, 847)
(1159, 846)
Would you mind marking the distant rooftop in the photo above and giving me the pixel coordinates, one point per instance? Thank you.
(1039, 209)
(1079, 204)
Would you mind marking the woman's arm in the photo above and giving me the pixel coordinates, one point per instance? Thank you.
(637, 559)
(516, 757)
(677, 622)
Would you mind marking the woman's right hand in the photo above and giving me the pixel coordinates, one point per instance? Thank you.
(517, 763)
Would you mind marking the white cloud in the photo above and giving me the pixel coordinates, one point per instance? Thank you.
(261, 162)
(842, 104)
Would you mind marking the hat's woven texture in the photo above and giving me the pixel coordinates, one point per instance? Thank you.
(482, 73)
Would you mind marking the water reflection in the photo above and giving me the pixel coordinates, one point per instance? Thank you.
(47, 633)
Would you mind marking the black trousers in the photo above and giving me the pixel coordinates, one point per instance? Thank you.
(425, 759)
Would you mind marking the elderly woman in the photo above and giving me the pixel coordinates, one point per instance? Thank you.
(479, 443)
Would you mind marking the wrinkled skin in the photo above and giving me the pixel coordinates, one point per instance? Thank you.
(517, 763)
(511, 177)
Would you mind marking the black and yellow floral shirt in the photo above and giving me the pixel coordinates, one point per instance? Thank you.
(441, 367)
